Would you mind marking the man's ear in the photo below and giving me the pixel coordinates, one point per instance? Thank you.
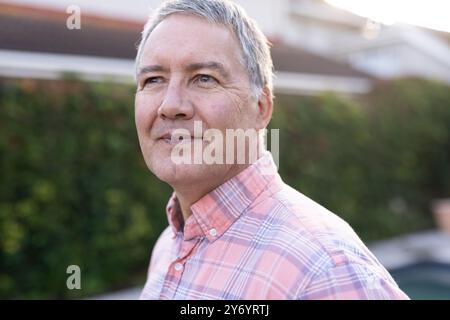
(265, 108)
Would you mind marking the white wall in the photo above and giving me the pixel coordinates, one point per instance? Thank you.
(271, 15)
(399, 60)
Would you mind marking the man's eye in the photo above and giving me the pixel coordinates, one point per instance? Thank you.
(205, 80)
(153, 80)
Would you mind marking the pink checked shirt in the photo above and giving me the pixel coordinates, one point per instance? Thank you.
(255, 237)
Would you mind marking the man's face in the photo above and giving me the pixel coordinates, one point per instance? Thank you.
(190, 71)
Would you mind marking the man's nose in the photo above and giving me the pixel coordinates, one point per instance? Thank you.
(175, 105)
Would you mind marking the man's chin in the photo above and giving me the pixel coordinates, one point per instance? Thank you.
(185, 174)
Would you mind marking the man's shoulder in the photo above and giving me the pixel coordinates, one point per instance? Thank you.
(310, 229)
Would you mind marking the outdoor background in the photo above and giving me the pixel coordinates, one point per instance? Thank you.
(363, 108)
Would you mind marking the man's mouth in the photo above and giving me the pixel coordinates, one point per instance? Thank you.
(173, 139)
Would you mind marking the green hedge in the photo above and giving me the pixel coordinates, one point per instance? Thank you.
(378, 161)
(75, 190)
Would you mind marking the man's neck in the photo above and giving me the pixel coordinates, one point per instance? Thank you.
(187, 195)
(190, 193)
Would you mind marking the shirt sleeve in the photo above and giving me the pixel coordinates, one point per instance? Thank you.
(352, 281)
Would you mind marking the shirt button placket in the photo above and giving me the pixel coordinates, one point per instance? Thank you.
(178, 266)
(213, 232)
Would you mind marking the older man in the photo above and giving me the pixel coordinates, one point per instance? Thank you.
(236, 231)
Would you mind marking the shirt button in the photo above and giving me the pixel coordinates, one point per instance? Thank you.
(213, 232)
(178, 266)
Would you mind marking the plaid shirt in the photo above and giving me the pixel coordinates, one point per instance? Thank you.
(255, 238)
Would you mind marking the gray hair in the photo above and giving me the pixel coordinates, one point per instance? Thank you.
(255, 47)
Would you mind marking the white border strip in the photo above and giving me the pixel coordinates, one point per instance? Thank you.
(53, 66)
(312, 84)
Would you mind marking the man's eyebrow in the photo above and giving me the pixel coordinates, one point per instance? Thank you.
(208, 65)
(190, 68)
(151, 68)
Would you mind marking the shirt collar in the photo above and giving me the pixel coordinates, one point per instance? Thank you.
(215, 212)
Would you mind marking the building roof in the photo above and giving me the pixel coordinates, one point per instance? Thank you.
(46, 31)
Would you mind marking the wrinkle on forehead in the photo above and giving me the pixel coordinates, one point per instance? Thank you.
(182, 39)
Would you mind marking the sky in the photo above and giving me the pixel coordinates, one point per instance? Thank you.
(433, 14)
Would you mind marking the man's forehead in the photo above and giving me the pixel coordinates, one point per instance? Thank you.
(189, 43)
(162, 54)
(155, 58)
(182, 29)
(186, 58)
(186, 35)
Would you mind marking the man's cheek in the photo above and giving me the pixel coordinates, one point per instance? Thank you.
(143, 119)
(222, 117)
